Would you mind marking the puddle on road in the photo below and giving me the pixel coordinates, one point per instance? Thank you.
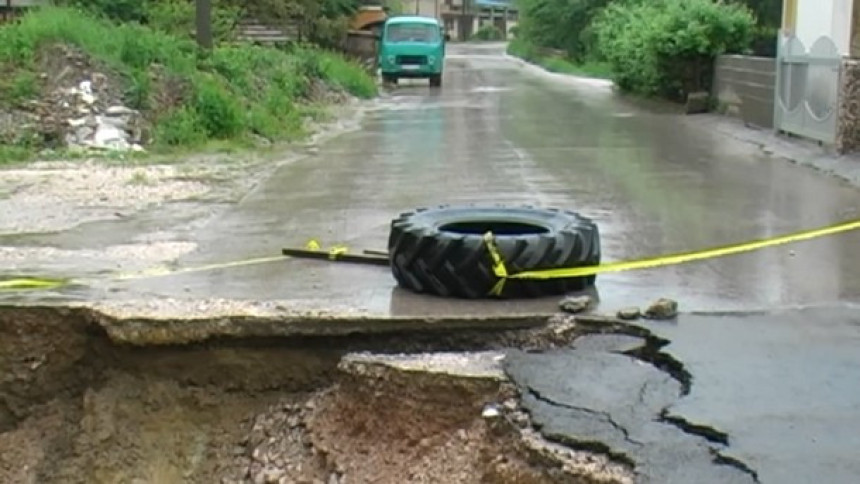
(491, 89)
(77, 408)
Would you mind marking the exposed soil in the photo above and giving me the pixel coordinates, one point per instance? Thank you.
(75, 407)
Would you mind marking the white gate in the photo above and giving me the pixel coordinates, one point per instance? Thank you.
(807, 89)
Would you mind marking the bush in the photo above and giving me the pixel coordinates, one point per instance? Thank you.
(667, 47)
(559, 24)
(488, 32)
(555, 63)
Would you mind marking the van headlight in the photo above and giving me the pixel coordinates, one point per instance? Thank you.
(391, 59)
(431, 59)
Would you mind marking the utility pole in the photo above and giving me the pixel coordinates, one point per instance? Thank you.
(204, 23)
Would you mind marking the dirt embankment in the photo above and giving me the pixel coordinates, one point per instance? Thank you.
(76, 407)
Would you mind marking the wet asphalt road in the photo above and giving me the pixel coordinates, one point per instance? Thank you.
(653, 180)
(775, 391)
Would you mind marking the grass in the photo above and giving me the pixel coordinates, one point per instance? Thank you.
(558, 64)
(235, 92)
(10, 154)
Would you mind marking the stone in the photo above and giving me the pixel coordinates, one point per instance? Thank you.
(119, 111)
(662, 309)
(83, 133)
(576, 304)
(490, 411)
(115, 122)
(272, 475)
(697, 102)
(629, 314)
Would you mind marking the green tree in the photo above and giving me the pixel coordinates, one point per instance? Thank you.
(560, 24)
(123, 10)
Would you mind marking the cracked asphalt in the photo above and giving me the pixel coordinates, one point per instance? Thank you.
(755, 381)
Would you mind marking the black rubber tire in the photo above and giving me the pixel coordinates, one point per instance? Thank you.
(441, 251)
(436, 80)
(389, 79)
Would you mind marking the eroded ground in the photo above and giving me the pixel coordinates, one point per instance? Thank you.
(77, 407)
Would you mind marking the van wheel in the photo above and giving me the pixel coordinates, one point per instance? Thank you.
(436, 80)
(389, 79)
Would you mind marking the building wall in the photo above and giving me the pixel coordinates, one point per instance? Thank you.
(816, 18)
(423, 8)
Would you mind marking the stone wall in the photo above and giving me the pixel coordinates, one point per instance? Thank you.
(848, 129)
(744, 87)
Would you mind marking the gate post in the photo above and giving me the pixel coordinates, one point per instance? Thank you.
(848, 127)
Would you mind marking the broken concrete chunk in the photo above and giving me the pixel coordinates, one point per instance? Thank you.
(576, 304)
(663, 308)
(490, 411)
(629, 314)
(119, 111)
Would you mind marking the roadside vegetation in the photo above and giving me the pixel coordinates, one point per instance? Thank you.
(188, 98)
(650, 47)
(488, 32)
(558, 61)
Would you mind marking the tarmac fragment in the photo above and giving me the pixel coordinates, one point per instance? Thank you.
(662, 309)
(576, 304)
(629, 314)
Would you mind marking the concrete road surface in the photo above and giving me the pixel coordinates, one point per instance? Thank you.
(766, 395)
(655, 181)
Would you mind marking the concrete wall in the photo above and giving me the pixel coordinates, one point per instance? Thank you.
(745, 87)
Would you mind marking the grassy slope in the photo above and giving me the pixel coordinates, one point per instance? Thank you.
(233, 92)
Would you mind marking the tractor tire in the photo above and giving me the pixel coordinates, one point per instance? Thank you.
(441, 251)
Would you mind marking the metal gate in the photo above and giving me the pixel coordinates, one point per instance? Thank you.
(807, 89)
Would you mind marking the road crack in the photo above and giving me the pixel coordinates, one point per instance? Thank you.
(725, 460)
(706, 432)
(605, 416)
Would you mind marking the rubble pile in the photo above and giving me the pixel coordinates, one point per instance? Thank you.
(116, 127)
(78, 107)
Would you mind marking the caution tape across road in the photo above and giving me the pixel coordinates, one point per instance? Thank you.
(499, 268)
(501, 271)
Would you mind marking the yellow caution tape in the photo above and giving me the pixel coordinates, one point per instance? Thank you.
(166, 271)
(24, 283)
(336, 251)
(501, 271)
(499, 268)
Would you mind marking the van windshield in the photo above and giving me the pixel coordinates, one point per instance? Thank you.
(412, 33)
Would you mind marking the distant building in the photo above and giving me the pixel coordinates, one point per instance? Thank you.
(462, 18)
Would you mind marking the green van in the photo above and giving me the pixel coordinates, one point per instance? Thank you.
(412, 47)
